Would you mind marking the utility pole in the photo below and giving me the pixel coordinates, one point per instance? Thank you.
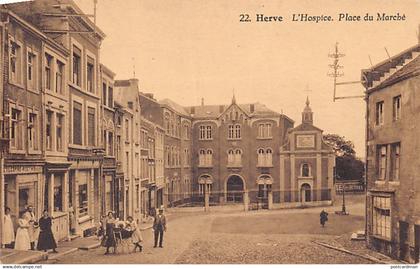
(336, 73)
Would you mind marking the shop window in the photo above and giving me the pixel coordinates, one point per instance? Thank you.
(58, 193)
(381, 216)
(83, 199)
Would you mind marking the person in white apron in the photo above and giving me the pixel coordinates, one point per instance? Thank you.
(33, 225)
(22, 235)
(8, 229)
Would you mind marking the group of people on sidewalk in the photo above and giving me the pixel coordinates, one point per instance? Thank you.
(28, 231)
(111, 228)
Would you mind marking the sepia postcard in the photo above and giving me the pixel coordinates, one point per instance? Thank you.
(209, 132)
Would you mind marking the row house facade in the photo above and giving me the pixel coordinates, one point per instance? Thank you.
(126, 95)
(178, 153)
(392, 146)
(152, 137)
(57, 116)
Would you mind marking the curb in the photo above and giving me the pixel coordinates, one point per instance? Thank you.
(55, 256)
(92, 246)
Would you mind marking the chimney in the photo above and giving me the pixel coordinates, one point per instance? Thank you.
(252, 108)
(221, 108)
(202, 101)
(192, 110)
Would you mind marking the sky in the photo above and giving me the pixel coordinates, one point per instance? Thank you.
(186, 50)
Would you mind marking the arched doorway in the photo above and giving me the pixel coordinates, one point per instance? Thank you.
(305, 193)
(235, 189)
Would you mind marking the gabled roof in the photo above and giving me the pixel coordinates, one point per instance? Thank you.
(215, 111)
(176, 107)
(305, 127)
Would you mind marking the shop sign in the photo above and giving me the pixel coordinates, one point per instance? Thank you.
(20, 169)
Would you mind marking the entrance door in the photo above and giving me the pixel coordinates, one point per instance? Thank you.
(404, 249)
(305, 192)
(235, 189)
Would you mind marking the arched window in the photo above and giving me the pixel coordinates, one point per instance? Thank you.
(167, 124)
(186, 132)
(209, 157)
(269, 157)
(261, 157)
(238, 157)
(237, 131)
(231, 131)
(201, 157)
(231, 157)
(305, 170)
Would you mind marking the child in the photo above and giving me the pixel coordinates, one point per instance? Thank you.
(131, 225)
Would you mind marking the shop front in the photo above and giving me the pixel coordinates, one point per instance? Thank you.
(56, 198)
(23, 187)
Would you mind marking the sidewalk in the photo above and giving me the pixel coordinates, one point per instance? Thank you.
(12, 256)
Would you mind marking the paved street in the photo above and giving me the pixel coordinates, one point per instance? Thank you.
(280, 236)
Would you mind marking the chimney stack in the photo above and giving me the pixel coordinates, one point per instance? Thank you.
(202, 101)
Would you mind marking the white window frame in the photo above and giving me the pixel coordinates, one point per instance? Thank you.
(17, 78)
(34, 131)
(380, 113)
(381, 217)
(33, 83)
(396, 108)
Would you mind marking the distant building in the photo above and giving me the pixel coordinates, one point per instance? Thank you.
(153, 135)
(306, 164)
(236, 152)
(177, 152)
(393, 165)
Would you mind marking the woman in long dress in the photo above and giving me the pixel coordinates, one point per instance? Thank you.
(8, 229)
(46, 238)
(22, 235)
(131, 225)
(109, 232)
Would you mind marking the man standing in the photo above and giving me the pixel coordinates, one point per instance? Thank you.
(33, 225)
(323, 217)
(159, 226)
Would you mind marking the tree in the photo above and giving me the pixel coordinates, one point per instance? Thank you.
(347, 165)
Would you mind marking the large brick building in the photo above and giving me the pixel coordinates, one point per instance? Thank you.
(392, 145)
(235, 151)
